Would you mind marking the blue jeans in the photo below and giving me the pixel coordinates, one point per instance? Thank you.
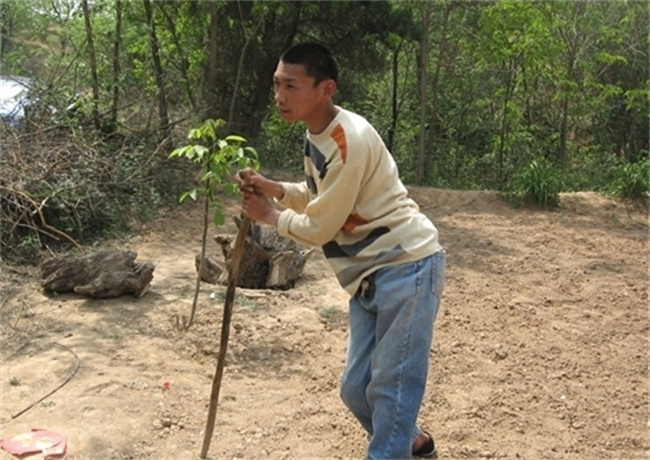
(390, 335)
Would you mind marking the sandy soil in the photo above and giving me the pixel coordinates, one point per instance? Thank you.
(541, 348)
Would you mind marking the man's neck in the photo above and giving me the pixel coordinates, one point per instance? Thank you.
(322, 122)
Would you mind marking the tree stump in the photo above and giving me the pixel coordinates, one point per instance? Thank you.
(211, 269)
(269, 260)
(107, 273)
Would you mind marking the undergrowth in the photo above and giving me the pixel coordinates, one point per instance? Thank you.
(59, 190)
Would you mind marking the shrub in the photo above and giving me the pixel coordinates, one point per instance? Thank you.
(540, 182)
(630, 180)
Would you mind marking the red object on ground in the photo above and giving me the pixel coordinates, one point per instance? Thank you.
(166, 386)
(53, 445)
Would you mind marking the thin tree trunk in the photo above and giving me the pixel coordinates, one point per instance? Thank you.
(116, 63)
(572, 39)
(240, 67)
(212, 110)
(435, 123)
(564, 117)
(271, 45)
(183, 62)
(197, 288)
(93, 63)
(510, 83)
(424, 59)
(393, 118)
(165, 128)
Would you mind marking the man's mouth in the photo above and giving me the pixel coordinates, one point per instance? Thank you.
(284, 113)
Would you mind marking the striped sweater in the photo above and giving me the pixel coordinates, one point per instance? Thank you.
(353, 204)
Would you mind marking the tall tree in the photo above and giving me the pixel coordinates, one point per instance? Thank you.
(116, 64)
(212, 80)
(436, 130)
(395, 47)
(93, 64)
(164, 127)
(248, 37)
(425, 15)
(179, 47)
(574, 39)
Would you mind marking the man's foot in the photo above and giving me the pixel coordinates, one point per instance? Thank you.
(425, 448)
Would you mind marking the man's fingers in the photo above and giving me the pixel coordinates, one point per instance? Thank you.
(245, 174)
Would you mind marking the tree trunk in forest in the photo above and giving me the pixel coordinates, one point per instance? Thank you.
(273, 45)
(165, 127)
(503, 132)
(424, 60)
(572, 38)
(93, 63)
(116, 64)
(107, 273)
(212, 75)
(183, 61)
(393, 118)
(564, 111)
(434, 134)
(240, 67)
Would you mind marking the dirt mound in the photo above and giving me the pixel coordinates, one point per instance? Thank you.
(541, 347)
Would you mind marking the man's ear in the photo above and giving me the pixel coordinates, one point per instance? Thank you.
(329, 88)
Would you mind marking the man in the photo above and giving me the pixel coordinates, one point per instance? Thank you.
(384, 252)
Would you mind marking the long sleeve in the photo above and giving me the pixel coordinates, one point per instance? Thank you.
(354, 205)
(296, 196)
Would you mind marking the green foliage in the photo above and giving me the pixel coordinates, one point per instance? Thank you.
(539, 182)
(282, 144)
(591, 168)
(515, 80)
(630, 180)
(80, 189)
(217, 158)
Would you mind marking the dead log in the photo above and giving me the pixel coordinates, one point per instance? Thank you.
(211, 269)
(269, 260)
(106, 273)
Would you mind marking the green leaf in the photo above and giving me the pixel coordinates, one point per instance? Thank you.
(219, 219)
(189, 193)
(201, 151)
(235, 138)
(230, 188)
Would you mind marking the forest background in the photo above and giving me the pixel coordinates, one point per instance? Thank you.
(527, 98)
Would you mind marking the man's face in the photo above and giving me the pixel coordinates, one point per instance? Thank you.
(296, 96)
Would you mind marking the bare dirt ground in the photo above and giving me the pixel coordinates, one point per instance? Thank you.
(541, 348)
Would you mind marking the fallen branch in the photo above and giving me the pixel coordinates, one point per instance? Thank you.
(72, 374)
(37, 209)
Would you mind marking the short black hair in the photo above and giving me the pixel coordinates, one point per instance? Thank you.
(318, 61)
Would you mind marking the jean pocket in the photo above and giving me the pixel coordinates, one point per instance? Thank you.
(438, 273)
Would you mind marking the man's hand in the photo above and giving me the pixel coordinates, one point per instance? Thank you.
(256, 206)
(244, 181)
(250, 181)
(255, 188)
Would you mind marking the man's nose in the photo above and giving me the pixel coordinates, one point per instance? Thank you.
(279, 96)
